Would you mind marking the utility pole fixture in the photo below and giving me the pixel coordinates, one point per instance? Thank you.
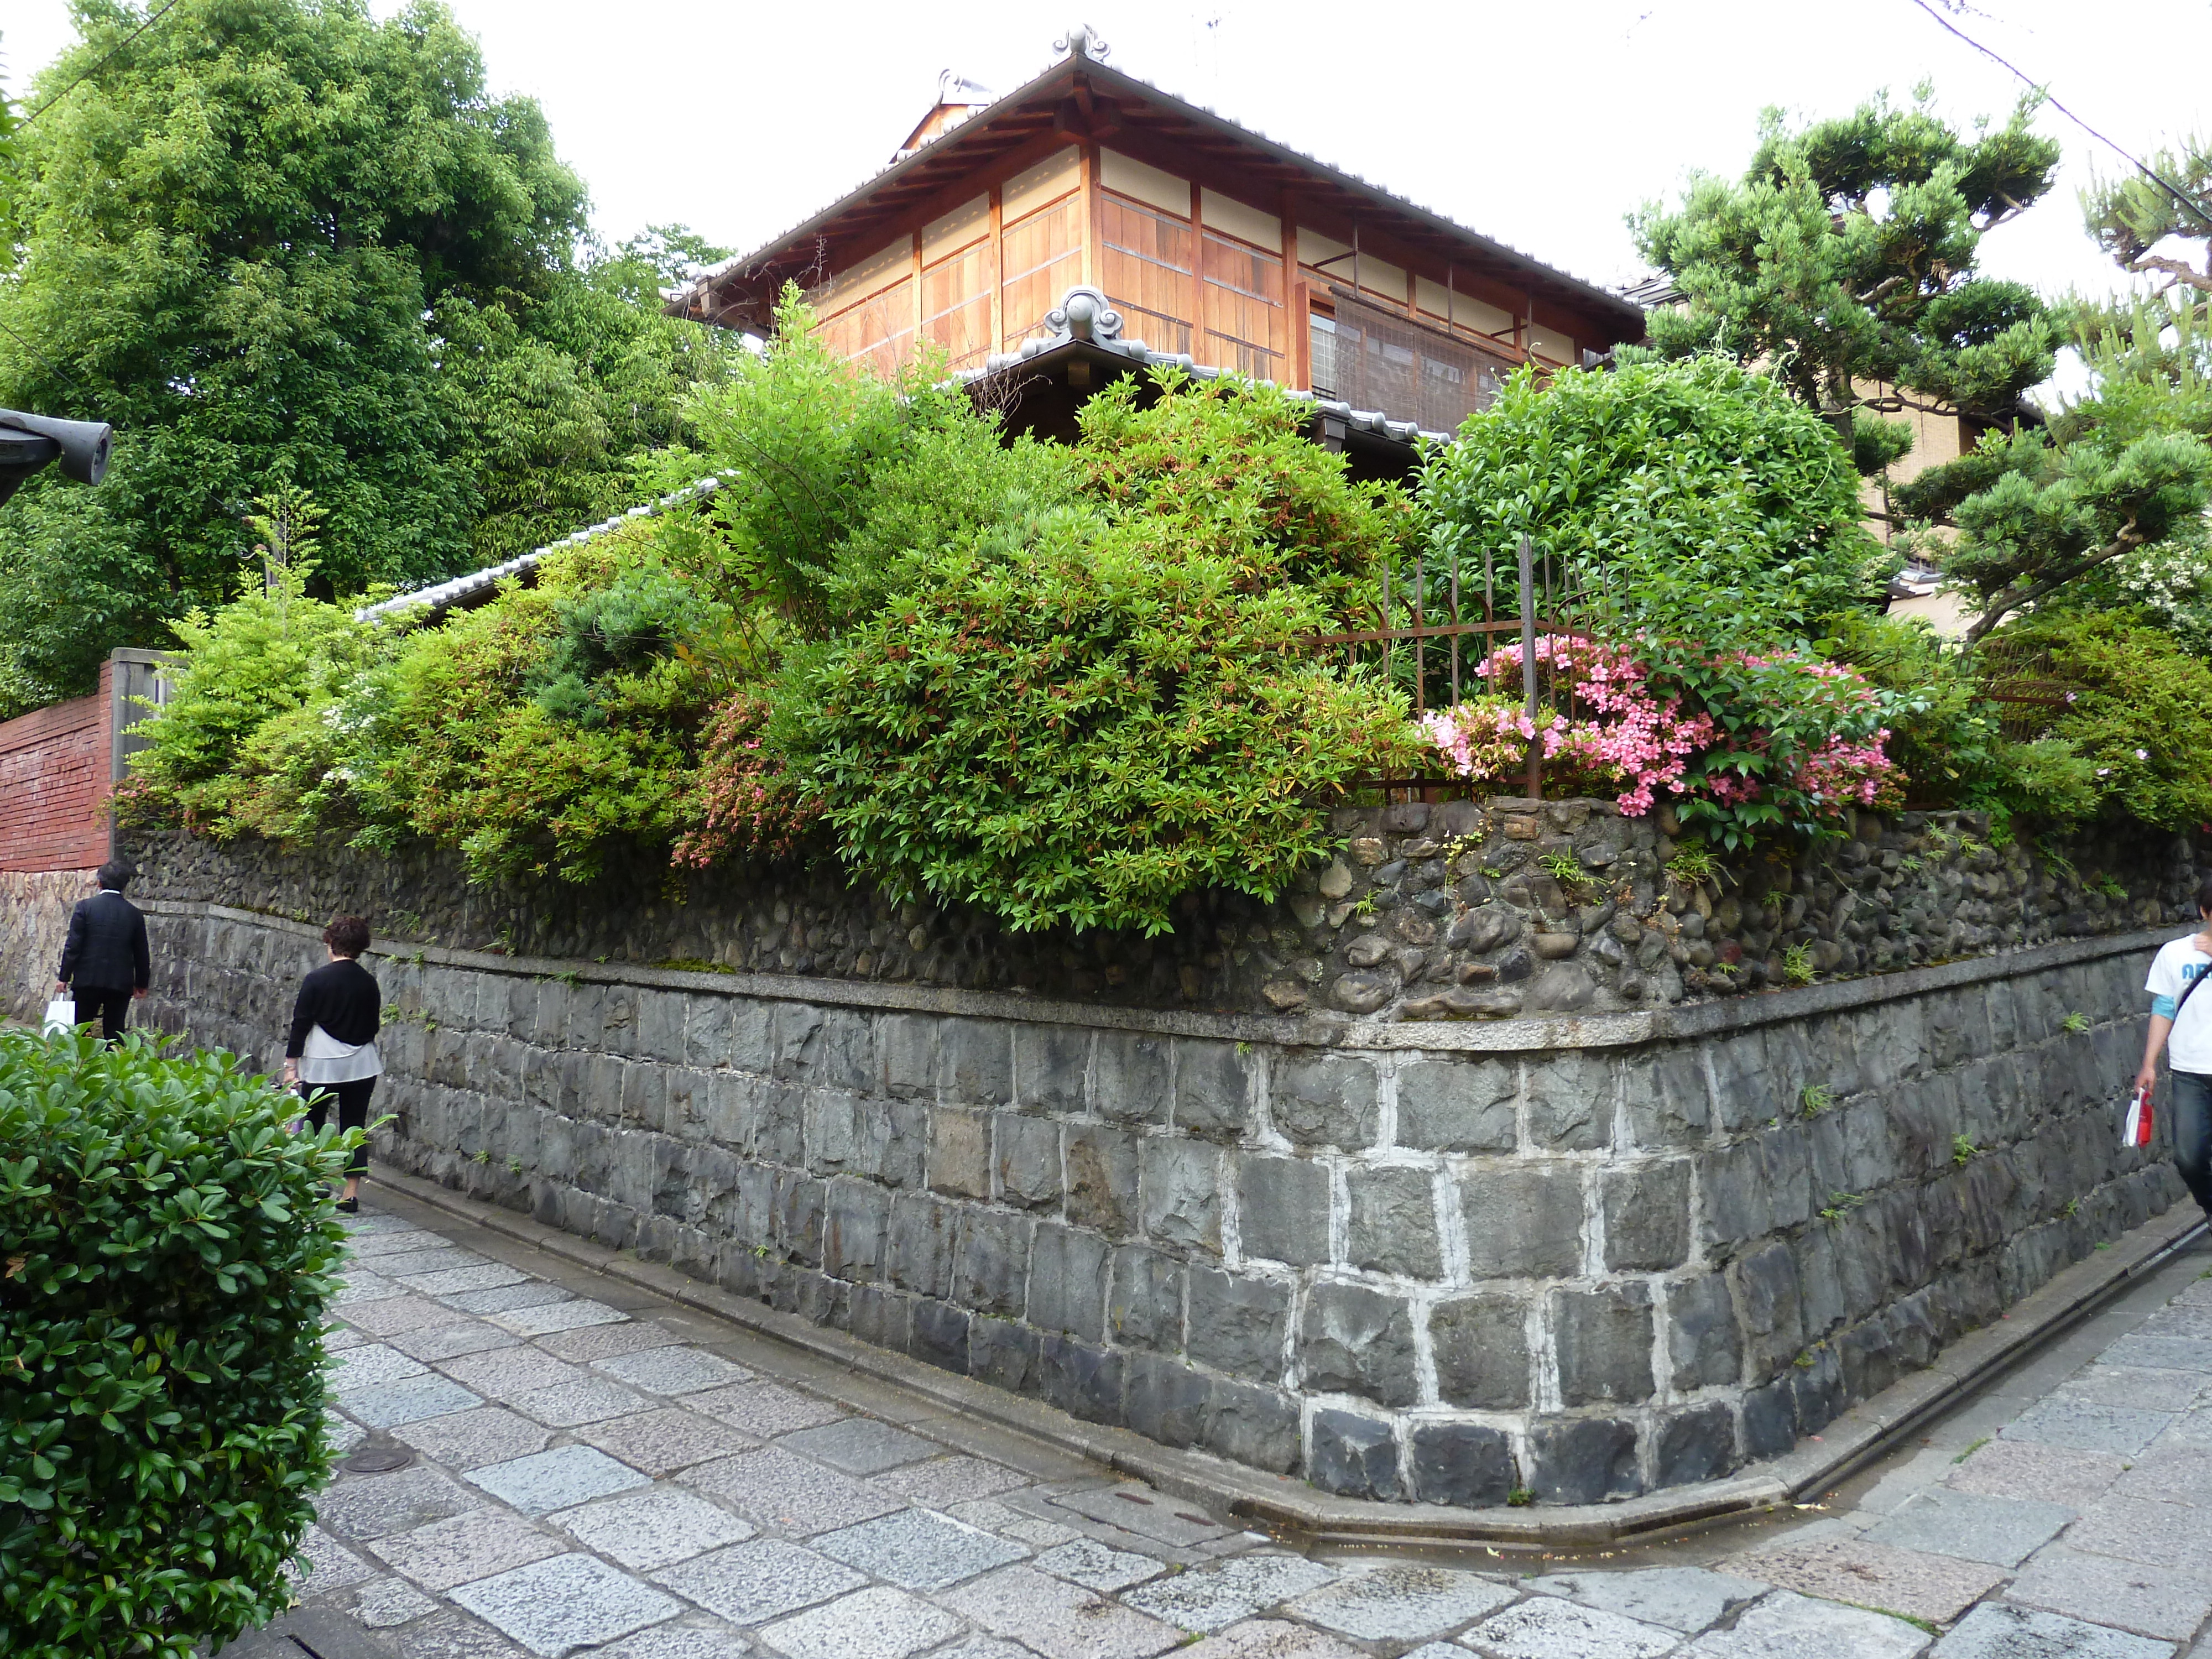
(28, 442)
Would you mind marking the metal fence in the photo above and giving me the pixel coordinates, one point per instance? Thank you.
(1438, 624)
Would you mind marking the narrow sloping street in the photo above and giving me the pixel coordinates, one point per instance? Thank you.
(589, 1467)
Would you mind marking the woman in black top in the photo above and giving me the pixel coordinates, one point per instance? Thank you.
(332, 1045)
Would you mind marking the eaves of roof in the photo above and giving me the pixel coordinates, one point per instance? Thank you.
(793, 251)
(1082, 323)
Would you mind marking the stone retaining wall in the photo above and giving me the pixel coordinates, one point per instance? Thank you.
(1457, 910)
(1458, 1262)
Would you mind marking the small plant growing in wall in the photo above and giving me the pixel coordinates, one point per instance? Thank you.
(1962, 1149)
(1366, 907)
(1841, 1205)
(1567, 869)
(484, 1155)
(1816, 1098)
(1521, 1497)
(2077, 1022)
(2073, 1207)
(1691, 864)
(1797, 964)
(2111, 885)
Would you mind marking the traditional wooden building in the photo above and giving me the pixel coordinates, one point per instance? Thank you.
(1210, 243)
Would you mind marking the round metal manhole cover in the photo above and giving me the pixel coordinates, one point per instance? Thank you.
(374, 1459)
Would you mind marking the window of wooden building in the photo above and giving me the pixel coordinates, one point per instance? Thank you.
(1372, 358)
(1242, 301)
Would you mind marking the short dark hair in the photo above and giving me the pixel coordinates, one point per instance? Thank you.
(347, 935)
(2204, 897)
(116, 873)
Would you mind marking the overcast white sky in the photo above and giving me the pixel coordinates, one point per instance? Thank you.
(1541, 126)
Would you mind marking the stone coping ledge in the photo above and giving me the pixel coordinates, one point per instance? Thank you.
(1856, 1438)
(1315, 1031)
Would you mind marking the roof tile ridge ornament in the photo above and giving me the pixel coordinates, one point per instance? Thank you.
(1086, 313)
(1084, 42)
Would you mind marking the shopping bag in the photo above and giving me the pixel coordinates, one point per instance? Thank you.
(2135, 1126)
(61, 1016)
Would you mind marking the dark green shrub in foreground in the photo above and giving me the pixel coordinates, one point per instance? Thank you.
(168, 1246)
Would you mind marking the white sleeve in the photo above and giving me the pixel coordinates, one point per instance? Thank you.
(2165, 979)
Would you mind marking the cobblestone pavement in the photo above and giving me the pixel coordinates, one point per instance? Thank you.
(596, 1469)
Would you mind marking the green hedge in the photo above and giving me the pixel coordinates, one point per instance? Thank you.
(168, 1249)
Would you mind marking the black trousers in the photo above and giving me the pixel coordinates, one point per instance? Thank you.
(109, 1007)
(352, 1100)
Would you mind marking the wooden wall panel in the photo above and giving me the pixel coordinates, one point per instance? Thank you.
(1043, 259)
(1146, 268)
(1242, 297)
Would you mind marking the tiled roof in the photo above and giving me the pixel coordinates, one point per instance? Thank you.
(462, 589)
(1083, 49)
(1083, 314)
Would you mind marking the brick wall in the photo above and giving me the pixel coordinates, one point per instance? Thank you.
(55, 765)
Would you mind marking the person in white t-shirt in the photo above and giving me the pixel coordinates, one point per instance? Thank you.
(2181, 1023)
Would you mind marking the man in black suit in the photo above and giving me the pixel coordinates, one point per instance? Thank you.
(104, 963)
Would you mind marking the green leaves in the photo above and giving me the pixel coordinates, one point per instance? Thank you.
(1079, 709)
(1692, 499)
(1844, 261)
(160, 1371)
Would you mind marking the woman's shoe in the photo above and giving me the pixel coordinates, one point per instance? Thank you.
(348, 1206)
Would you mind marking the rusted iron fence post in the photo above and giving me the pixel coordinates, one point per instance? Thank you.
(1529, 665)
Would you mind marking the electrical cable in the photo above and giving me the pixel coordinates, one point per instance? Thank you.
(152, 18)
(2193, 204)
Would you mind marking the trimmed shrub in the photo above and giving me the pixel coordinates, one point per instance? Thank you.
(168, 1250)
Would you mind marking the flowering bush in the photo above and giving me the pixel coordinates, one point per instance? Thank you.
(748, 801)
(1740, 742)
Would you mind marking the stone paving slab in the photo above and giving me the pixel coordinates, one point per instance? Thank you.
(754, 1582)
(1790, 1626)
(2148, 1533)
(1874, 1574)
(1403, 1601)
(663, 1441)
(779, 1489)
(556, 1480)
(2149, 1602)
(470, 1439)
(363, 1507)
(879, 1623)
(1995, 1631)
(549, 1316)
(1059, 1619)
(673, 1371)
(942, 1482)
(1272, 1638)
(918, 1549)
(1548, 1629)
(1681, 1598)
(565, 1602)
(1097, 1566)
(2087, 1425)
(2137, 1386)
(2030, 1469)
(860, 1445)
(468, 1546)
(655, 1527)
(409, 1401)
(2001, 1531)
(764, 1410)
(1211, 1597)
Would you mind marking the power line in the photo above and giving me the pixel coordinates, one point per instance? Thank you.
(168, 6)
(2143, 167)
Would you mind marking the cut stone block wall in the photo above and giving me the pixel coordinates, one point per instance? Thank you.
(1586, 1256)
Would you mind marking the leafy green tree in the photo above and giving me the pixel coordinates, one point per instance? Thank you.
(281, 240)
(1692, 499)
(1843, 262)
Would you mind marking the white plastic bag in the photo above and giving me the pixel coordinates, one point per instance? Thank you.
(61, 1015)
(2137, 1127)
